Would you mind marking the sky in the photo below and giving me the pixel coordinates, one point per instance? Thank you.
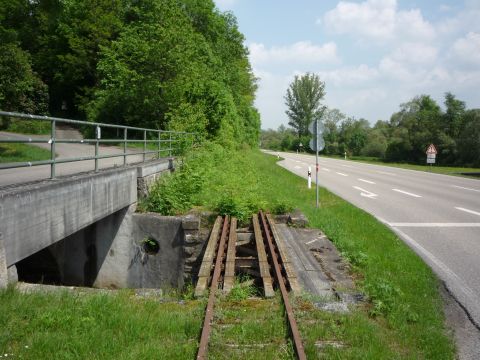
(372, 55)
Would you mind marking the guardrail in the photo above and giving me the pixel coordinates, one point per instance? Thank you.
(175, 141)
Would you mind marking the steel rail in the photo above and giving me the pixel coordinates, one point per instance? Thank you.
(207, 323)
(299, 350)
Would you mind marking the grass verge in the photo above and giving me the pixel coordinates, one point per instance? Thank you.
(22, 152)
(97, 326)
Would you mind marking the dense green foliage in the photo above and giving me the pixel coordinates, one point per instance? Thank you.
(455, 132)
(166, 64)
(303, 100)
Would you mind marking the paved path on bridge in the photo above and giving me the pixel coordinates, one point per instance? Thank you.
(63, 151)
(438, 216)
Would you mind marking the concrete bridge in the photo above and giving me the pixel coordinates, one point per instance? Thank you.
(82, 228)
(95, 209)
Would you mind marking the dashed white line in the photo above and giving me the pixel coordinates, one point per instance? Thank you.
(464, 188)
(339, 173)
(347, 166)
(325, 169)
(311, 241)
(468, 211)
(434, 224)
(384, 173)
(366, 181)
(297, 167)
(407, 193)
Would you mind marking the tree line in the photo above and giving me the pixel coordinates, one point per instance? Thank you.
(419, 122)
(164, 64)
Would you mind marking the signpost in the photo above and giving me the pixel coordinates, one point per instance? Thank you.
(431, 154)
(317, 144)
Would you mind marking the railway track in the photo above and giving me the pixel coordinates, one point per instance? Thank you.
(258, 252)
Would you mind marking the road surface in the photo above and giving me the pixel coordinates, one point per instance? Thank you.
(438, 216)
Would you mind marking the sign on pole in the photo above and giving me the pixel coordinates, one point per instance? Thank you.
(431, 154)
(317, 144)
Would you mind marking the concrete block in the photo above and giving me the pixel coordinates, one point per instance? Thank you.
(190, 222)
(12, 274)
(3, 266)
(298, 219)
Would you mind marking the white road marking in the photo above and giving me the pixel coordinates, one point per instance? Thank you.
(297, 167)
(342, 174)
(366, 181)
(464, 188)
(311, 241)
(325, 169)
(384, 173)
(434, 224)
(468, 211)
(365, 193)
(407, 193)
(347, 166)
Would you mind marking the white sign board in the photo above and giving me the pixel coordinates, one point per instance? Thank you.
(431, 158)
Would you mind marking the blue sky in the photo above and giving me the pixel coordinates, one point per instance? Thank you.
(372, 54)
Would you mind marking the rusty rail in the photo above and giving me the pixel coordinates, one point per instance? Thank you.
(207, 323)
(297, 341)
(276, 263)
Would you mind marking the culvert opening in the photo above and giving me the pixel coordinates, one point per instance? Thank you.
(39, 268)
(150, 246)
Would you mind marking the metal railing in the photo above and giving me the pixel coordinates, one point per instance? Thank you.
(173, 141)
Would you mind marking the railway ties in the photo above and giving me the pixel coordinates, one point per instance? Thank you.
(256, 251)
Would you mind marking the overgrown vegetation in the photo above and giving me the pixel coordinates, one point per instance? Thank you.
(384, 266)
(165, 64)
(455, 132)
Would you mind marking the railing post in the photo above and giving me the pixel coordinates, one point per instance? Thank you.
(144, 143)
(170, 145)
(125, 147)
(97, 137)
(52, 149)
(159, 143)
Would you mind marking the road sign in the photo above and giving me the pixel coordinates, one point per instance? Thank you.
(432, 149)
(320, 144)
(313, 127)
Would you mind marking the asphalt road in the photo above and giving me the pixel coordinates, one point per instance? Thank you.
(64, 151)
(438, 216)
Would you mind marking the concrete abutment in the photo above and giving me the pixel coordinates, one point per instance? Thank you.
(87, 224)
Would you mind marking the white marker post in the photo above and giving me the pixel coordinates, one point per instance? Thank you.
(345, 155)
(309, 177)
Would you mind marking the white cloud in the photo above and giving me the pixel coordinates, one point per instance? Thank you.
(352, 76)
(379, 20)
(299, 52)
(415, 53)
(466, 50)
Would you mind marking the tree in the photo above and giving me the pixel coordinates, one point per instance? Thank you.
(303, 100)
